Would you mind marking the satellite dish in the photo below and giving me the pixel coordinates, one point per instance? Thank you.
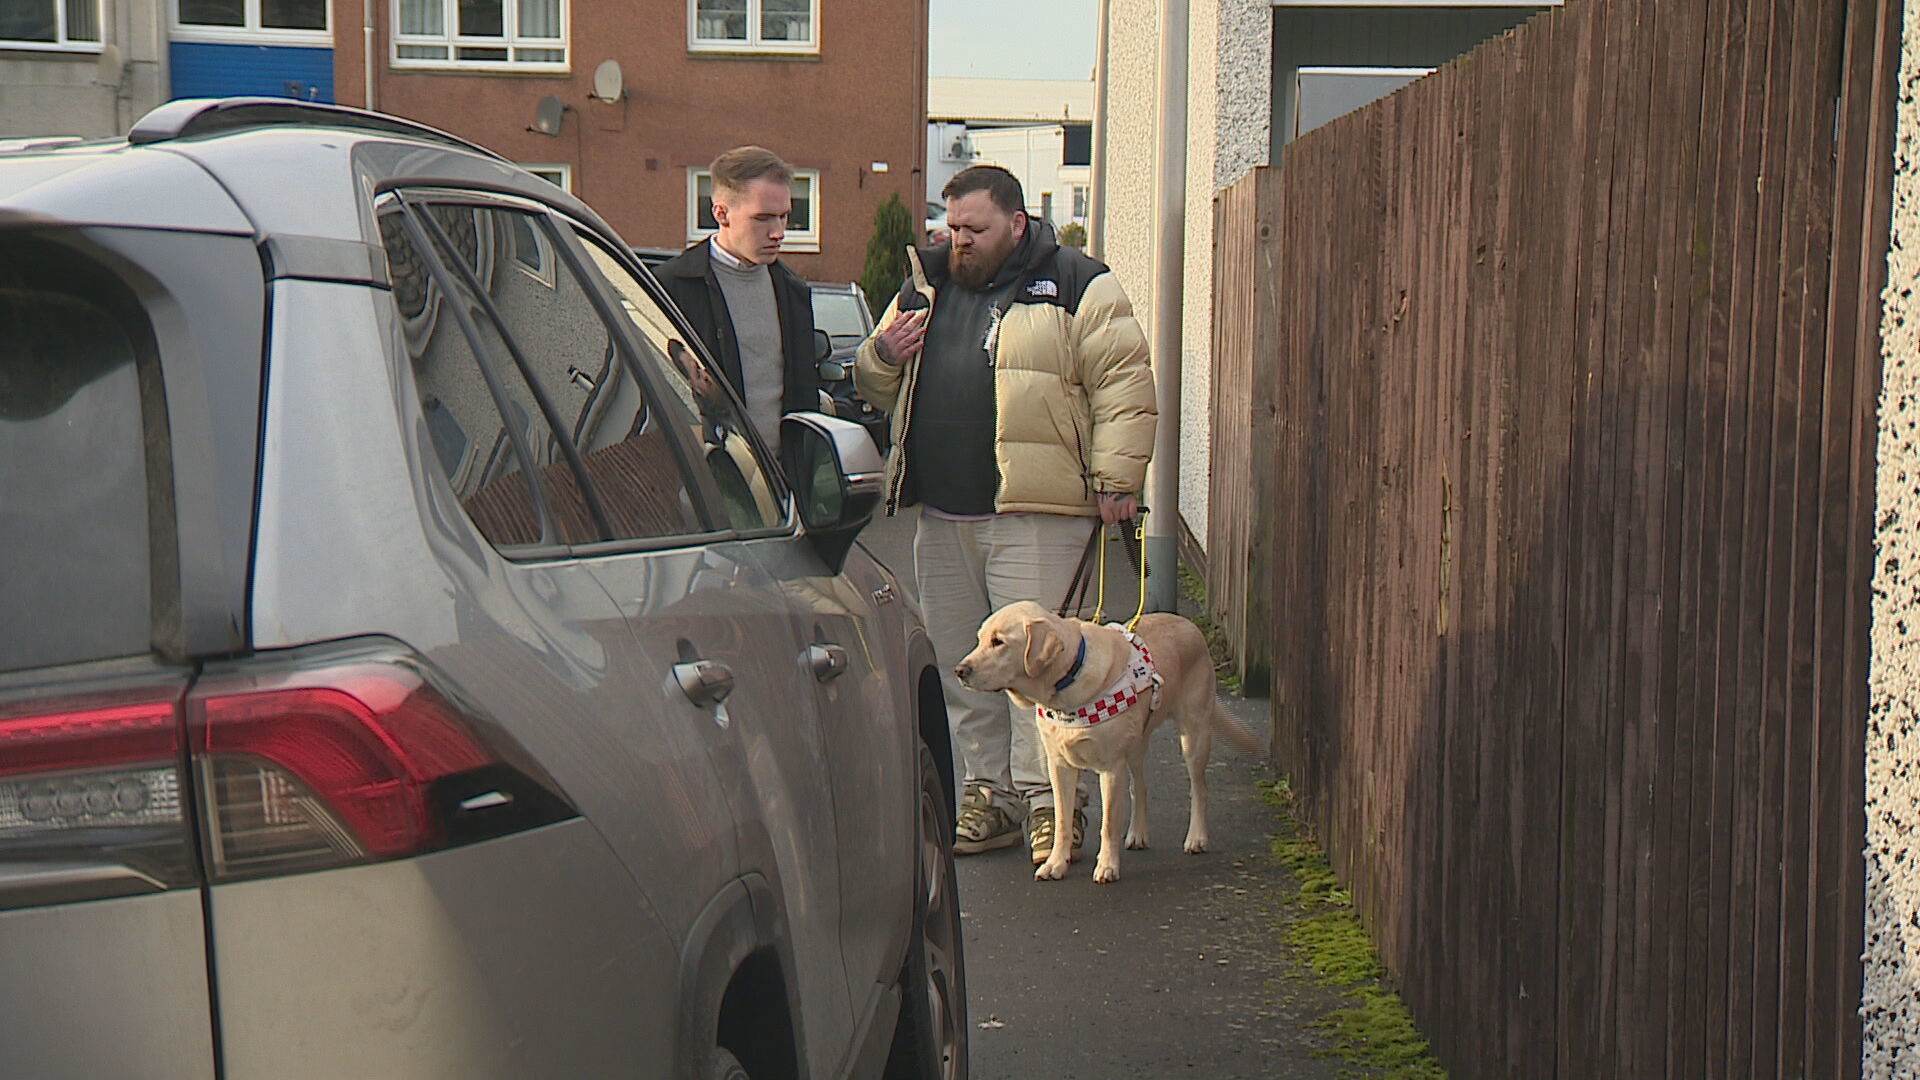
(111, 69)
(609, 84)
(547, 115)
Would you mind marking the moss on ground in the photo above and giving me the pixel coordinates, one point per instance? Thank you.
(1194, 591)
(1375, 1035)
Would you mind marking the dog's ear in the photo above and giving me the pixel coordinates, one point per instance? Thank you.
(1043, 647)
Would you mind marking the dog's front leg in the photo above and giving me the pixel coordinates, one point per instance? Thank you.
(1106, 868)
(1065, 779)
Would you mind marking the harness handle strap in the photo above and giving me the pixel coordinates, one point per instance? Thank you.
(1140, 538)
(1082, 575)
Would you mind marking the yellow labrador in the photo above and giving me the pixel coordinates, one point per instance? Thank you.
(1097, 701)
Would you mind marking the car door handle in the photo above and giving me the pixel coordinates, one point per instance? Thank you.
(828, 661)
(705, 682)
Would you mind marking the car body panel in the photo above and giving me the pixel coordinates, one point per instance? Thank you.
(540, 646)
(530, 955)
(117, 185)
(107, 988)
(718, 603)
(869, 742)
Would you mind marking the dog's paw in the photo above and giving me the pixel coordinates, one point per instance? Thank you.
(1196, 845)
(1106, 873)
(1136, 841)
(1051, 870)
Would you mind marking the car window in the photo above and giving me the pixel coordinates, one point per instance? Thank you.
(635, 477)
(73, 492)
(475, 405)
(841, 315)
(702, 402)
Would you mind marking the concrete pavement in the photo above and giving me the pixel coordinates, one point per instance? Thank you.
(1177, 969)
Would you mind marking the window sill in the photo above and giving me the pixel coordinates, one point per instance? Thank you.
(77, 48)
(748, 52)
(208, 35)
(480, 67)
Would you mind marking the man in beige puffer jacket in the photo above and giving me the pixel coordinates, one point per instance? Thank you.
(1023, 417)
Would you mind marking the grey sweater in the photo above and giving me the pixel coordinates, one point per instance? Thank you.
(756, 326)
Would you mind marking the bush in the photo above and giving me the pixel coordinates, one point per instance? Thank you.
(886, 254)
(1073, 234)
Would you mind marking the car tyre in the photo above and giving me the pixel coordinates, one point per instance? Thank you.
(930, 1040)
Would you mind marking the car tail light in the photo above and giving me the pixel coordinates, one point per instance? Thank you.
(91, 799)
(327, 761)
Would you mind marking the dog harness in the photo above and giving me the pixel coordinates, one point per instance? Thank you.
(1138, 678)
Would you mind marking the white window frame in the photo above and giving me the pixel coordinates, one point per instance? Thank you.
(753, 42)
(60, 42)
(797, 242)
(250, 34)
(562, 173)
(453, 42)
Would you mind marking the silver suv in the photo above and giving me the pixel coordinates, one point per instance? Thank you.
(412, 665)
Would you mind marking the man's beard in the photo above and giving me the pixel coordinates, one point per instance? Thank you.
(974, 268)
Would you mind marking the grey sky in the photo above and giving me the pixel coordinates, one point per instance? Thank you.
(1013, 39)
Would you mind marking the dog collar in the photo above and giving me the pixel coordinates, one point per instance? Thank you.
(1074, 671)
(1139, 678)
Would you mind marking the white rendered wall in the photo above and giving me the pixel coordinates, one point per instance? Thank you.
(1229, 90)
(1890, 998)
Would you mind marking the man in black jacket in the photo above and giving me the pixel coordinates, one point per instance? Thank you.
(754, 314)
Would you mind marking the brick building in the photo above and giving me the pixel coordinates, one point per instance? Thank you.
(838, 87)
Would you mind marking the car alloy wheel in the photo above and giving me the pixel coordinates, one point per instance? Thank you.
(931, 1040)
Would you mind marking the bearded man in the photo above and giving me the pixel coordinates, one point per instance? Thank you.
(1023, 417)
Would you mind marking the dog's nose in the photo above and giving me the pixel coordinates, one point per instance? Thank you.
(963, 669)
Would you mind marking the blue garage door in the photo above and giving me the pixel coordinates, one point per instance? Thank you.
(202, 69)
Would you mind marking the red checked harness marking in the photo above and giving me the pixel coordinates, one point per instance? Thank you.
(1140, 677)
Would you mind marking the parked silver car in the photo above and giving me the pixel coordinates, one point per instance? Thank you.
(412, 665)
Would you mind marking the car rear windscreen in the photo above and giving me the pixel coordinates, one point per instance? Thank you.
(75, 577)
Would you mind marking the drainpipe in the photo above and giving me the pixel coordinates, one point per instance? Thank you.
(1097, 195)
(1169, 285)
(366, 53)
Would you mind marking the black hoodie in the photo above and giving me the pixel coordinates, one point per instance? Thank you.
(950, 446)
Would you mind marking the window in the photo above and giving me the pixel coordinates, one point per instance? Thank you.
(50, 24)
(803, 224)
(1324, 94)
(770, 26)
(279, 21)
(560, 176)
(548, 428)
(74, 537)
(520, 35)
(1080, 202)
(744, 485)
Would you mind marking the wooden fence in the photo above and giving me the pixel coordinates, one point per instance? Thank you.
(1543, 472)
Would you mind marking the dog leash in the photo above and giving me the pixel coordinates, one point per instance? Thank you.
(1083, 575)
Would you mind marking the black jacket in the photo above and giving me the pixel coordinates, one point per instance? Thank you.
(690, 280)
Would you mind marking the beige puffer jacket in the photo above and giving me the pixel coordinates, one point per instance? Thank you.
(1073, 391)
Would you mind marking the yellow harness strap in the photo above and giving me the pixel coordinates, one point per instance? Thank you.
(1100, 600)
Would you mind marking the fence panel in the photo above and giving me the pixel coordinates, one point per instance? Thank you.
(1543, 489)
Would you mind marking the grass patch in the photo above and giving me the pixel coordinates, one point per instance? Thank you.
(1194, 591)
(1376, 1035)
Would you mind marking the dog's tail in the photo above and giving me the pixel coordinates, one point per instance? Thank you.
(1235, 732)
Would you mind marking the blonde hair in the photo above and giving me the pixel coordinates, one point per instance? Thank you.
(742, 165)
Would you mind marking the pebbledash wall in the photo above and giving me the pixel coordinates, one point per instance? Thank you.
(1229, 92)
(1890, 998)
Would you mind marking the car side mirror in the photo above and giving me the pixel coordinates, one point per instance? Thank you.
(822, 345)
(838, 477)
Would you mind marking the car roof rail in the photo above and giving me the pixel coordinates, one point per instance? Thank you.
(203, 116)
